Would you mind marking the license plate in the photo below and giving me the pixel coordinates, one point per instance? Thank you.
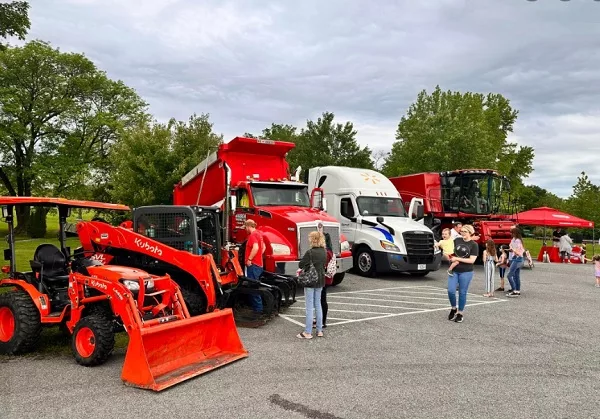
(421, 266)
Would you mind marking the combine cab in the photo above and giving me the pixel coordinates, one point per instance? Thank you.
(92, 301)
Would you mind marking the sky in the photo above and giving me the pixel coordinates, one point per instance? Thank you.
(249, 63)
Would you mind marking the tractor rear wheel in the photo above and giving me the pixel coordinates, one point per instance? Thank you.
(93, 340)
(20, 325)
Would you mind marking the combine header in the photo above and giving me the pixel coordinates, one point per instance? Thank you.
(92, 301)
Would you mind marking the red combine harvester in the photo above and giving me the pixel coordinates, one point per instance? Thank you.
(249, 179)
(93, 301)
(476, 196)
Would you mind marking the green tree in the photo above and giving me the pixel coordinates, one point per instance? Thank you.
(325, 143)
(585, 199)
(533, 196)
(59, 116)
(152, 158)
(14, 20)
(453, 130)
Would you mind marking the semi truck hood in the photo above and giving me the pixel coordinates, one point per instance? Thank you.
(399, 224)
(298, 214)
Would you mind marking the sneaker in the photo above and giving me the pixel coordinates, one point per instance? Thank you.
(514, 294)
(509, 292)
(500, 289)
(452, 314)
(458, 318)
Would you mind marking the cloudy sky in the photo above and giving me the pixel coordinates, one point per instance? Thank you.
(252, 62)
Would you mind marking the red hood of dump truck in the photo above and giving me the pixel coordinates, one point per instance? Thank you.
(298, 214)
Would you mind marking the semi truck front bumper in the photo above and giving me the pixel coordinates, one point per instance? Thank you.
(394, 262)
(291, 267)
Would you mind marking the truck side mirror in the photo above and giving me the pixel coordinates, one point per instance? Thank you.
(324, 203)
(317, 199)
(418, 212)
(233, 202)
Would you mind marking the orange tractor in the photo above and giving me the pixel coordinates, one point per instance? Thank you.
(93, 301)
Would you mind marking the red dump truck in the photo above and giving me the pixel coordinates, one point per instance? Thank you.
(255, 175)
(476, 196)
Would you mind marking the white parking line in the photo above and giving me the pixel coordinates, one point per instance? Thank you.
(397, 297)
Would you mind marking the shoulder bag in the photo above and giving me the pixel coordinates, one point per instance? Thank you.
(309, 278)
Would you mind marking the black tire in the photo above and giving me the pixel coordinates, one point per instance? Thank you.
(101, 339)
(196, 302)
(364, 261)
(338, 278)
(26, 325)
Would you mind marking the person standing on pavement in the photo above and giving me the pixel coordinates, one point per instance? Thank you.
(465, 253)
(255, 247)
(317, 256)
(490, 258)
(328, 278)
(515, 262)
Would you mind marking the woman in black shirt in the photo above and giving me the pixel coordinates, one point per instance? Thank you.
(465, 252)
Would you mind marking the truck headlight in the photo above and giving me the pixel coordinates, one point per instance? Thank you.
(389, 246)
(280, 249)
(345, 246)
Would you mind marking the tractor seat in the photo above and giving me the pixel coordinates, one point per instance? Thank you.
(50, 263)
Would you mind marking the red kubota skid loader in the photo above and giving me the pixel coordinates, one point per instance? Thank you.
(92, 301)
(186, 242)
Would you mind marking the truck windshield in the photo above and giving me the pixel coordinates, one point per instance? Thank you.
(280, 194)
(386, 207)
(475, 193)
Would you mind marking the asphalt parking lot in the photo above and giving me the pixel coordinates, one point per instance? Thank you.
(389, 352)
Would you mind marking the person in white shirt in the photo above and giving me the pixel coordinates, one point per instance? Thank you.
(455, 232)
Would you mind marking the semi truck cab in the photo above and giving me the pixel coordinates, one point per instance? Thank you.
(383, 235)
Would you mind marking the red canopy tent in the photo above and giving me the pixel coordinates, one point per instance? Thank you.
(550, 217)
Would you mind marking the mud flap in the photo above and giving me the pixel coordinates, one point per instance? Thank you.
(163, 355)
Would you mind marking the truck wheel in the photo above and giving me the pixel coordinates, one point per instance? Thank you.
(364, 261)
(93, 340)
(20, 325)
(338, 278)
(196, 303)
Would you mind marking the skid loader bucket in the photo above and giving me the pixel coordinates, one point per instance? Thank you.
(163, 355)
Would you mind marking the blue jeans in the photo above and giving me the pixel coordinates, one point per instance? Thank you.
(514, 273)
(254, 272)
(463, 279)
(312, 297)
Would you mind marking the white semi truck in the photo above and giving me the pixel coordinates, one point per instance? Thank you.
(383, 236)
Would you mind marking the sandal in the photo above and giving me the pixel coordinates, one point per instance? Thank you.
(320, 334)
(303, 335)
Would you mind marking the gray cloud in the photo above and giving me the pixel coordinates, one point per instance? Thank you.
(250, 63)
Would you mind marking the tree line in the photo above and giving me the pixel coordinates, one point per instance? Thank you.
(67, 129)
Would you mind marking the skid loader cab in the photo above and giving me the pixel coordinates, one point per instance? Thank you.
(195, 229)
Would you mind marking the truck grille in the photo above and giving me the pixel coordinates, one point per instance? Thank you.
(419, 246)
(334, 233)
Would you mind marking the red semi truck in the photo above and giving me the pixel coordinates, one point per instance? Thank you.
(254, 174)
(476, 196)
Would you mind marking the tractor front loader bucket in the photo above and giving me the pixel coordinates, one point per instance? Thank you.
(164, 354)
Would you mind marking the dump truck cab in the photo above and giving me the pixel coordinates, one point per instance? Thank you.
(384, 236)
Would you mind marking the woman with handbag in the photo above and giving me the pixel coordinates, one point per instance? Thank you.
(312, 278)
